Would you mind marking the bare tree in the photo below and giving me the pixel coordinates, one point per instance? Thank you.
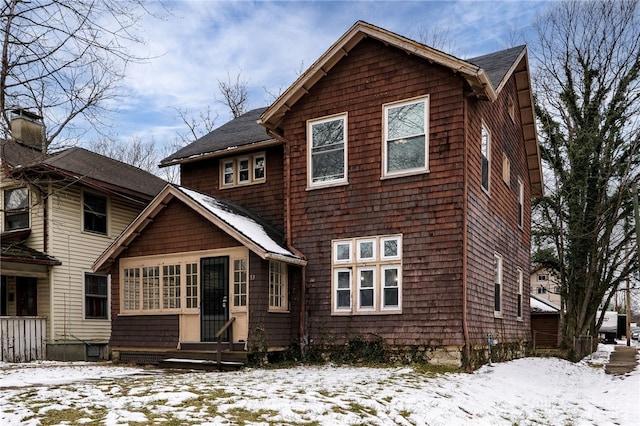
(588, 104)
(235, 94)
(65, 60)
(138, 153)
(436, 37)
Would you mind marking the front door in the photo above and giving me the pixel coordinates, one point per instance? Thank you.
(27, 296)
(214, 310)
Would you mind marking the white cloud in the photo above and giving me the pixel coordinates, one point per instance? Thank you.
(198, 43)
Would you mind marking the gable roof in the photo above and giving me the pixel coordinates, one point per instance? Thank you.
(486, 76)
(238, 222)
(96, 171)
(238, 134)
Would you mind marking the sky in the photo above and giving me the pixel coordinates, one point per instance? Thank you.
(528, 391)
(192, 45)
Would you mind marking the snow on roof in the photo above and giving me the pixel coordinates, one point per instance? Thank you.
(538, 305)
(241, 221)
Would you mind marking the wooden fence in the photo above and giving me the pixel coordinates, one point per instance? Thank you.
(23, 339)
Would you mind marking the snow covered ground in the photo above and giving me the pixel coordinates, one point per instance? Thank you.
(530, 391)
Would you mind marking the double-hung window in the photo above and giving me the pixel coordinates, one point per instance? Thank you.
(16, 209)
(366, 276)
(278, 286)
(497, 284)
(520, 291)
(406, 144)
(96, 296)
(95, 213)
(520, 204)
(485, 162)
(327, 151)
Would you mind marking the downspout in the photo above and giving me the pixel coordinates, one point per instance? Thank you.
(302, 330)
(465, 210)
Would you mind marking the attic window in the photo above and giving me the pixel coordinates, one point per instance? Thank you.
(245, 170)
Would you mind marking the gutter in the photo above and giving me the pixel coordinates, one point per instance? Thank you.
(302, 331)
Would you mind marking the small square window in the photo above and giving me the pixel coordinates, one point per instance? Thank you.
(390, 248)
(366, 250)
(342, 251)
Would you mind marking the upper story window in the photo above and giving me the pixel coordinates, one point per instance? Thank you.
(367, 275)
(485, 150)
(243, 170)
(327, 151)
(95, 213)
(16, 209)
(520, 204)
(406, 144)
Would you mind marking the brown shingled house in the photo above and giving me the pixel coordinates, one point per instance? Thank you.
(59, 212)
(395, 179)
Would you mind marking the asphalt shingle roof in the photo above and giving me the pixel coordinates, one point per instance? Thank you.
(240, 131)
(497, 64)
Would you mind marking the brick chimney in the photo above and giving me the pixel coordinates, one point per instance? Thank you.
(28, 128)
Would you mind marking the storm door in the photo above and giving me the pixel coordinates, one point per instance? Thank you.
(214, 284)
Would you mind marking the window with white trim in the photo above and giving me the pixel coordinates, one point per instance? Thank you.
(16, 209)
(171, 286)
(240, 282)
(367, 275)
(278, 286)
(243, 170)
(327, 151)
(520, 203)
(497, 283)
(519, 297)
(191, 285)
(485, 150)
(406, 137)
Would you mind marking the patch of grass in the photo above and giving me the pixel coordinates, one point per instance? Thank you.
(241, 416)
(359, 409)
(431, 370)
(54, 417)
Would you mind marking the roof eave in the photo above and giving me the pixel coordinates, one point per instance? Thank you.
(221, 152)
(274, 114)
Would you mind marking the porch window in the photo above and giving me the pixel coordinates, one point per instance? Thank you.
(406, 143)
(95, 213)
(497, 280)
(369, 280)
(278, 287)
(240, 171)
(192, 285)
(16, 209)
(95, 296)
(240, 282)
(151, 288)
(485, 162)
(327, 151)
(171, 286)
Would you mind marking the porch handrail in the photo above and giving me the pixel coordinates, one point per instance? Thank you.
(219, 339)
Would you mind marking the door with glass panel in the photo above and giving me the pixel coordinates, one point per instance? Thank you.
(214, 284)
